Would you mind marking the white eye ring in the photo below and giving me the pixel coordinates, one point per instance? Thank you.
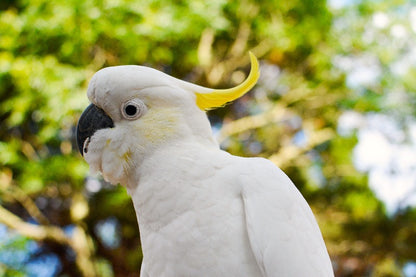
(133, 109)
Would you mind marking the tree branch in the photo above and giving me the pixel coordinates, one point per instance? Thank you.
(205, 47)
(33, 231)
(240, 42)
(8, 186)
(290, 152)
(28, 204)
(79, 242)
(278, 113)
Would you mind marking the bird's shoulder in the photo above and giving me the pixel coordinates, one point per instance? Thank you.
(259, 175)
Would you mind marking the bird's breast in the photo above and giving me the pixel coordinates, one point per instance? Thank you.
(194, 227)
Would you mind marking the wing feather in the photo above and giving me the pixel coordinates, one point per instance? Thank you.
(283, 233)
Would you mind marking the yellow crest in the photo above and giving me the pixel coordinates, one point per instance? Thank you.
(220, 97)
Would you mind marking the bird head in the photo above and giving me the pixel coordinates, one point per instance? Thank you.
(135, 110)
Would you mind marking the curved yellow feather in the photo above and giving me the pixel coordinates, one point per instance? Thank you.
(220, 97)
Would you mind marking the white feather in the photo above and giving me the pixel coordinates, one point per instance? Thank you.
(283, 233)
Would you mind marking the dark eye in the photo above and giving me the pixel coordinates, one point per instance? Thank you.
(130, 110)
(133, 109)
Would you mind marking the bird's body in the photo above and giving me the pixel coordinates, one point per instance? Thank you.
(200, 228)
(203, 225)
(201, 211)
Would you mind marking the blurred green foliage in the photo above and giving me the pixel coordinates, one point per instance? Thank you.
(50, 49)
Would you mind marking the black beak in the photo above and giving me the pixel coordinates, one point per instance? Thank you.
(91, 120)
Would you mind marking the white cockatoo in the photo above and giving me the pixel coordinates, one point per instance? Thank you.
(201, 211)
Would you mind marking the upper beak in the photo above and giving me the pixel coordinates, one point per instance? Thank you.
(91, 120)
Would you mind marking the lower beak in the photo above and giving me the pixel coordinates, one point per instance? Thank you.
(91, 120)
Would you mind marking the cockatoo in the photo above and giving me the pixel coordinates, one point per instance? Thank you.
(201, 211)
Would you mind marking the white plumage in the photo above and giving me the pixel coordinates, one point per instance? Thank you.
(201, 211)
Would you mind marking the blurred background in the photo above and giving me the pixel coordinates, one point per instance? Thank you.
(334, 108)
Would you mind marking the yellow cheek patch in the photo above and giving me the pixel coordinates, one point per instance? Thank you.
(218, 98)
(159, 125)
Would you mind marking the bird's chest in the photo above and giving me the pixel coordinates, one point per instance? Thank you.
(190, 232)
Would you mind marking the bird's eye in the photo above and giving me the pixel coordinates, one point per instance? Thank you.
(133, 109)
(130, 110)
